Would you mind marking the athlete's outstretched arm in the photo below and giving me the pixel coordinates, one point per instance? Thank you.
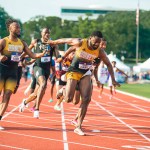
(56, 51)
(105, 59)
(69, 41)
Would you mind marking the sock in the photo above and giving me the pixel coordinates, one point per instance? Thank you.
(36, 110)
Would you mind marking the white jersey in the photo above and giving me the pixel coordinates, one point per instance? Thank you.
(102, 75)
(115, 75)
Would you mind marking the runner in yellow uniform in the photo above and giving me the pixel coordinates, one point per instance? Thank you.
(11, 48)
(85, 52)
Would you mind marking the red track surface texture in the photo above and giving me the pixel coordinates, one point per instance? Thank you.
(121, 123)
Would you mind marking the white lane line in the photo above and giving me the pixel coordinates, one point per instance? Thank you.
(117, 118)
(30, 125)
(125, 102)
(12, 147)
(7, 114)
(56, 140)
(64, 128)
(133, 105)
(137, 147)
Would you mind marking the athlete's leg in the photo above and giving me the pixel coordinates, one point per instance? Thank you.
(70, 90)
(76, 98)
(18, 78)
(52, 78)
(9, 87)
(86, 97)
(51, 92)
(101, 90)
(59, 98)
(41, 91)
(5, 100)
(32, 96)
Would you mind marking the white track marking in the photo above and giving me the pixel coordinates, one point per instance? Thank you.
(12, 147)
(30, 125)
(7, 114)
(125, 102)
(117, 118)
(64, 128)
(38, 137)
(138, 147)
(133, 105)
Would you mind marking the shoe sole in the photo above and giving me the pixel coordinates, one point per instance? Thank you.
(78, 133)
(36, 117)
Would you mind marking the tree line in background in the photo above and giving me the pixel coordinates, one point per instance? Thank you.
(118, 28)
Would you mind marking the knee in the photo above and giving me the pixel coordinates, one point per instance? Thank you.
(86, 100)
(68, 99)
(6, 97)
(43, 85)
(76, 101)
(33, 95)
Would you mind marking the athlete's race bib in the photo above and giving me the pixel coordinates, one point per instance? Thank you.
(15, 57)
(85, 66)
(45, 59)
(65, 68)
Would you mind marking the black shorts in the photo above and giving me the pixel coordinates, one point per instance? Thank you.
(39, 71)
(19, 75)
(60, 82)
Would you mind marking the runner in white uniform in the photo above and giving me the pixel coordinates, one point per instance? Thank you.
(102, 76)
(116, 70)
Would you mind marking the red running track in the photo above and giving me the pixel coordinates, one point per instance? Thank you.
(121, 123)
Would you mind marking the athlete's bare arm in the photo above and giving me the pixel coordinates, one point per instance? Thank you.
(2, 45)
(95, 74)
(122, 72)
(69, 41)
(56, 51)
(30, 53)
(70, 50)
(32, 45)
(106, 61)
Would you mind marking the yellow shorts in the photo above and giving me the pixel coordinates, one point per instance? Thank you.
(8, 85)
(74, 75)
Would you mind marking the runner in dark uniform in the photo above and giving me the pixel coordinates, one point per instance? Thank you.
(41, 68)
